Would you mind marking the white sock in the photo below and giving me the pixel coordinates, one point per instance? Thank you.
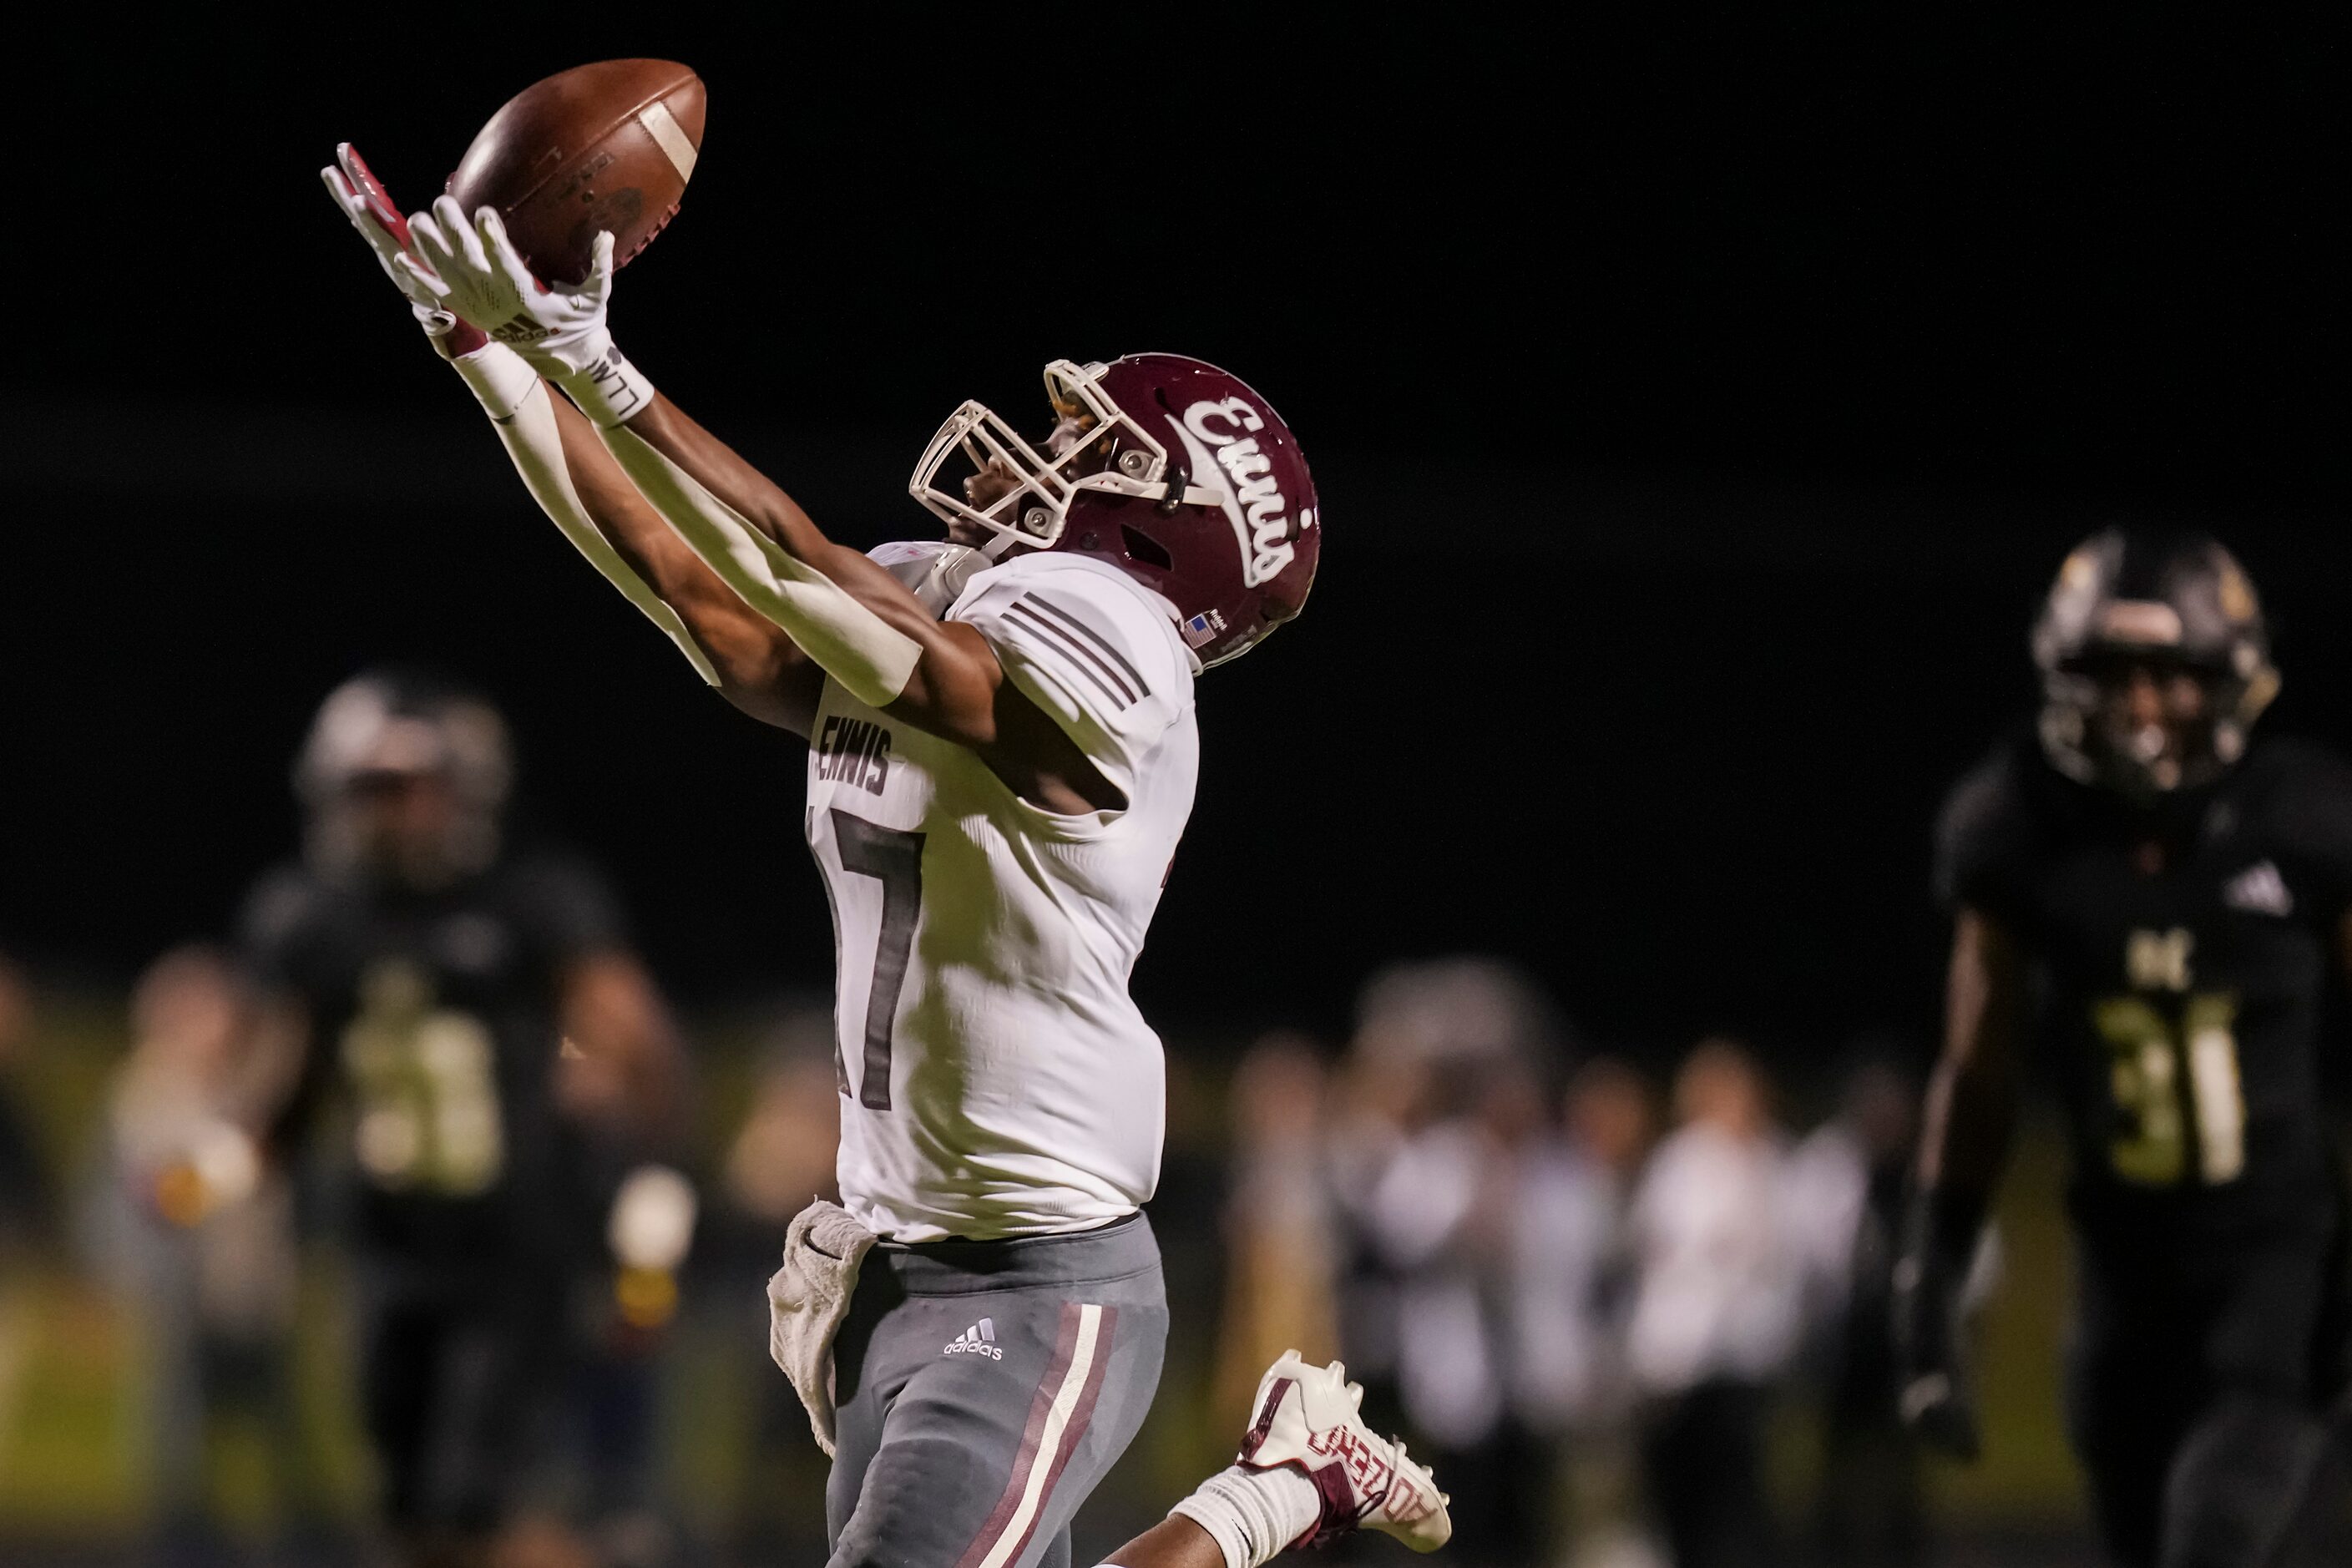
(1254, 1515)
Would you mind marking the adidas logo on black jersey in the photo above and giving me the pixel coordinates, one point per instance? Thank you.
(978, 1339)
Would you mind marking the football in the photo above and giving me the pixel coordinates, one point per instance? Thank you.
(603, 146)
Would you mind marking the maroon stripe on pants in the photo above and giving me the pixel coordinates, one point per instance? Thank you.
(1080, 1414)
(1041, 1404)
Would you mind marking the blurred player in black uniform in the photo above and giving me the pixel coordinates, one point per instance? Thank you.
(2150, 902)
(440, 985)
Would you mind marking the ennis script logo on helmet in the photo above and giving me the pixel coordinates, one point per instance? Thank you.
(1264, 536)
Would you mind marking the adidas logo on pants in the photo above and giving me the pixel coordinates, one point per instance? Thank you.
(978, 1339)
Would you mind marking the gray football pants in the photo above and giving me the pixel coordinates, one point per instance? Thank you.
(982, 1388)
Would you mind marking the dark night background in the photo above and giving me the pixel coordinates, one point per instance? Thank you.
(1697, 416)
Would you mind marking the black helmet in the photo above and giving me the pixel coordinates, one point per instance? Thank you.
(393, 724)
(2174, 604)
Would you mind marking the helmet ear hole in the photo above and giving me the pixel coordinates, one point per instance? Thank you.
(1142, 547)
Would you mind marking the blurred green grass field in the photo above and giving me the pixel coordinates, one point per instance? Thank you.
(75, 1455)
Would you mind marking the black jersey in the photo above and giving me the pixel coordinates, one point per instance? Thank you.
(433, 1043)
(2180, 961)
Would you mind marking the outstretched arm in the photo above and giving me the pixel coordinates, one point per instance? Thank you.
(575, 481)
(951, 677)
(755, 663)
(954, 684)
(577, 484)
(851, 616)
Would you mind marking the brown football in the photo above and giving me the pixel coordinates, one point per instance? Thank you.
(603, 146)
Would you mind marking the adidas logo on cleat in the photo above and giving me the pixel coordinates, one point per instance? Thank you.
(978, 1339)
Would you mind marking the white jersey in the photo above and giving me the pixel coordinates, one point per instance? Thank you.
(996, 1079)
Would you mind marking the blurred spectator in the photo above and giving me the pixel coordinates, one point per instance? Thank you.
(782, 1159)
(1715, 1312)
(1443, 1126)
(622, 1082)
(1610, 1121)
(1190, 1211)
(779, 1162)
(1280, 1236)
(1576, 1273)
(1844, 1203)
(200, 1237)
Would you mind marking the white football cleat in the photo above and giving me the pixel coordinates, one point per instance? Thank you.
(1307, 1417)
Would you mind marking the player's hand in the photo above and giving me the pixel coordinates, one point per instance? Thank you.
(1935, 1391)
(369, 209)
(471, 268)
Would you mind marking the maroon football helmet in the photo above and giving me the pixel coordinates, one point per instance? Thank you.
(1171, 469)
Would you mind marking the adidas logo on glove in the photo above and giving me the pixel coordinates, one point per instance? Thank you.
(978, 1339)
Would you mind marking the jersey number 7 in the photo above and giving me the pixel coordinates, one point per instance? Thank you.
(895, 858)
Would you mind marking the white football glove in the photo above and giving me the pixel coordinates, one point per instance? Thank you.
(472, 268)
(371, 213)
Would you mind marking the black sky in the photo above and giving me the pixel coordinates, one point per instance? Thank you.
(1697, 405)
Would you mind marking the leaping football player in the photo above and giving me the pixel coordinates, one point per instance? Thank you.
(1002, 758)
(2152, 899)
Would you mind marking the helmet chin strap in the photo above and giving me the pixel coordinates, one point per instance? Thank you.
(1179, 482)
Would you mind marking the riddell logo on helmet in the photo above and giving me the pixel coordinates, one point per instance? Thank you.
(1264, 533)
